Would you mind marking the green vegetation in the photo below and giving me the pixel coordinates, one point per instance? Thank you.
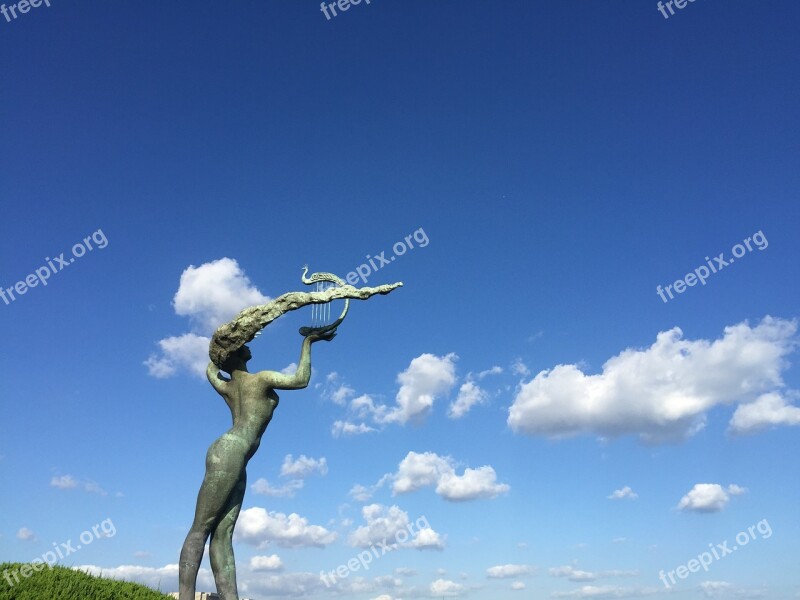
(61, 583)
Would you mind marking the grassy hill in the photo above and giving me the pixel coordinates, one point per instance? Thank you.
(61, 583)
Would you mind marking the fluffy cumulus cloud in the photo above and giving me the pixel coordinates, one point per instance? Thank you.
(266, 563)
(709, 497)
(258, 527)
(469, 395)
(427, 539)
(426, 378)
(215, 292)
(664, 392)
(389, 525)
(768, 410)
(333, 388)
(507, 571)
(428, 469)
(26, 535)
(209, 295)
(347, 428)
(447, 588)
(187, 352)
(622, 493)
(303, 466)
(286, 490)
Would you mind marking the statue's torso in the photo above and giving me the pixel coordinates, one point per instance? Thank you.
(252, 403)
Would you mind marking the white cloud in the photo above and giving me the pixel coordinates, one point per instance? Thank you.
(346, 428)
(607, 591)
(26, 535)
(572, 573)
(493, 371)
(427, 469)
(284, 585)
(214, 292)
(659, 393)
(723, 589)
(427, 539)
(188, 351)
(258, 527)
(94, 488)
(290, 369)
(709, 497)
(507, 571)
(303, 466)
(768, 410)
(579, 575)
(163, 577)
(65, 482)
(68, 482)
(520, 368)
(341, 394)
(266, 563)
(469, 395)
(360, 493)
(426, 378)
(391, 526)
(445, 587)
(209, 295)
(625, 492)
(473, 484)
(517, 586)
(417, 471)
(335, 390)
(364, 407)
(288, 490)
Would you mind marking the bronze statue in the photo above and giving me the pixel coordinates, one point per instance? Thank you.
(252, 399)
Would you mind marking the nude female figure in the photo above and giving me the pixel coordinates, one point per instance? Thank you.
(252, 399)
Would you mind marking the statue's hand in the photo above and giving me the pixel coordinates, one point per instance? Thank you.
(326, 337)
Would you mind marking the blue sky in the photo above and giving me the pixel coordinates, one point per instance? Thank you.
(554, 427)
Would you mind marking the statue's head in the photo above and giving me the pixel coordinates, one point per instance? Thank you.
(237, 360)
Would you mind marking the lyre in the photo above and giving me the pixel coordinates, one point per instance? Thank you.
(321, 313)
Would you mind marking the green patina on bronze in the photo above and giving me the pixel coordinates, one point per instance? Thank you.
(252, 399)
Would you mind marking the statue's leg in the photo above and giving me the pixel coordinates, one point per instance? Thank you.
(225, 463)
(221, 549)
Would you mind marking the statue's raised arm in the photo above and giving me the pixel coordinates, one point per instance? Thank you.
(248, 323)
